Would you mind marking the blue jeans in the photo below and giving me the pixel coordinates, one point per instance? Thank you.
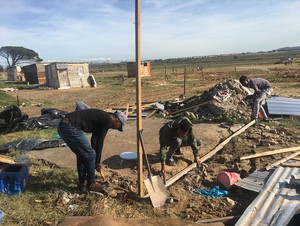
(79, 144)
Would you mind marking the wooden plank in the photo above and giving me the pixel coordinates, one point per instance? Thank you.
(127, 109)
(222, 144)
(270, 153)
(6, 160)
(185, 109)
(151, 114)
(290, 164)
(218, 219)
(208, 155)
(282, 160)
(296, 158)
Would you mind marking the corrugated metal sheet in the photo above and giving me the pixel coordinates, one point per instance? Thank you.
(277, 202)
(283, 106)
(255, 181)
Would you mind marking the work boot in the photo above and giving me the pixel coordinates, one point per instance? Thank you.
(96, 187)
(179, 151)
(81, 187)
(170, 162)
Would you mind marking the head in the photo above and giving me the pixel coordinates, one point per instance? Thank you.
(183, 128)
(244, 80)
(119, 120)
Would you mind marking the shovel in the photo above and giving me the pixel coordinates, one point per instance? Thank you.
(154, 184)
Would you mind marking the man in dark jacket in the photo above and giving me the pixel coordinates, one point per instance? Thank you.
(262, 89)
(72, 130)
(172, 136)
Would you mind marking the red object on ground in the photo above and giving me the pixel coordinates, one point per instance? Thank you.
(259, 115)
(228, 178)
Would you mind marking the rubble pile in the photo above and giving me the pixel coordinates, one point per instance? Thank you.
(224, 100)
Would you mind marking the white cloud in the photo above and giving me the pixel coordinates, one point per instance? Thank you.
(100, 29)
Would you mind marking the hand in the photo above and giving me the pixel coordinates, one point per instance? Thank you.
(257, 92)
(163, 168)
(197, 160)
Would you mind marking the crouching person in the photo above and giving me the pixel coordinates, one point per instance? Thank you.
(173, 135)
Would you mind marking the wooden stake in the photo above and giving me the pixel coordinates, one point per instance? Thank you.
(127, 109)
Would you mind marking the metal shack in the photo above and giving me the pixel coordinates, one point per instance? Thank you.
(35, 73)
(145, 69)
(67, 75)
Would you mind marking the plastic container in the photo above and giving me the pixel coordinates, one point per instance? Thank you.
(259, 115)
(228, 178)
(1, 216)
(13, 179)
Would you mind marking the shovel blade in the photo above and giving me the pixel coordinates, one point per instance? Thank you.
(157, 191)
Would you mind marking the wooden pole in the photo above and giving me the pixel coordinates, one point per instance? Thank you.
(184, 80)
(138, 96)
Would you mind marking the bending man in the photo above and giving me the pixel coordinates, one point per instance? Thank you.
(262, 90)
(95, 121)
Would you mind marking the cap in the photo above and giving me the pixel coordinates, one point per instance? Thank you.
(185, 125)
(121, 116)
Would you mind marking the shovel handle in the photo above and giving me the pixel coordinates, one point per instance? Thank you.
(145, 154)
(164, 178)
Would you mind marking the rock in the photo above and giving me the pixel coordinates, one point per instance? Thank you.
(225, 158)
(239, 167)
(230, 201)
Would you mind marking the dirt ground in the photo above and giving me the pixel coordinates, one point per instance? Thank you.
(184, 204)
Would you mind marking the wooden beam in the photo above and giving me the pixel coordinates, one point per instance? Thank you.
(218, 219)
(151, 114)
(270, 153)
(6, 160)
(282, 160)
(290, 164)
(127, 109)
(222, 144)
(208, 155)
(185, 109)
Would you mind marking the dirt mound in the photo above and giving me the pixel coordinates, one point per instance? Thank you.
(226, 99)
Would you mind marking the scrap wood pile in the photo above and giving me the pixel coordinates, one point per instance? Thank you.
(225, 99)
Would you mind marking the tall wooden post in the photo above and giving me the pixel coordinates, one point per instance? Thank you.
(138, 96)
(184, 79)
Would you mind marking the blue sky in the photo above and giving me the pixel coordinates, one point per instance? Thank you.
(85, 30)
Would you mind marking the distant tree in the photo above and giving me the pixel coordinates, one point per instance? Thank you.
(1, 68)
(17, 54)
